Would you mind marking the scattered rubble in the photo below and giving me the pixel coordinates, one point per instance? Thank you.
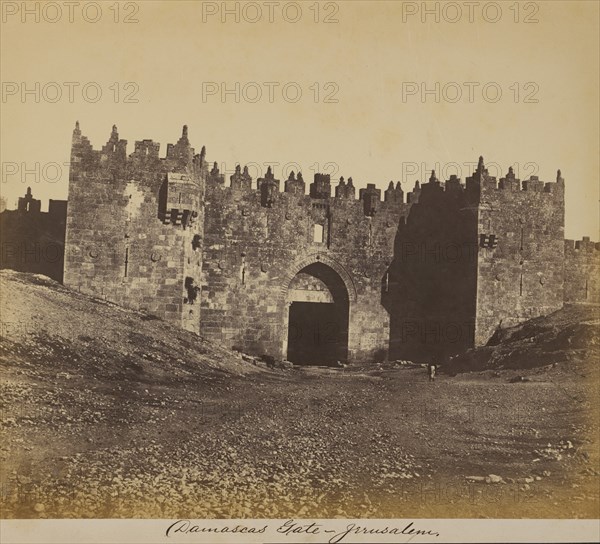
(108, 414)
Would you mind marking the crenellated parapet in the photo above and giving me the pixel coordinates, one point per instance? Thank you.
(295, 185)
(345, 190)
(480, 189)
(394, 194)
(434, 190)
(370, 197)
(145, 150)
(28, 204)
(269, 193)
(413, 196)
(145, 163)
(454, 185)
(182, 151)
(579, 248)
(109, 176)
(268, 187)
(321, 186)
(482, 182)
(510, 182)
(214, 176)
(113, 157)
(509, 185)
(114, 146)
(241, 180)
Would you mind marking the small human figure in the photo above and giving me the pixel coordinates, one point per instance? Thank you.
(431, 367)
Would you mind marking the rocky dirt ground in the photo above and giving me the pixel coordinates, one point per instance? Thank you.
(110, 413)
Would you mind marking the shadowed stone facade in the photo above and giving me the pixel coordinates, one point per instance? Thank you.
(263, 267)
(33, 240)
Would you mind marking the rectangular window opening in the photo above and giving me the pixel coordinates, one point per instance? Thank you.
(318, 233)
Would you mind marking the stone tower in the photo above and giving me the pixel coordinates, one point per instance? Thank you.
(134, 225)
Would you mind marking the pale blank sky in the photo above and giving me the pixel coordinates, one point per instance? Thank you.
(371, 133)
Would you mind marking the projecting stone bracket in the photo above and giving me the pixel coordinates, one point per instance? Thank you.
(488, 241)
(184, 218)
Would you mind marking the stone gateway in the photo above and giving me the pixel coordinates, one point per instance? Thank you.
(265, 268)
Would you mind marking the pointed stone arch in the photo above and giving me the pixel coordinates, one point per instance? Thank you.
(316, 317)
(312, 258)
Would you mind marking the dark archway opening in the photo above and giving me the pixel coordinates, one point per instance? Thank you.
(318, 317)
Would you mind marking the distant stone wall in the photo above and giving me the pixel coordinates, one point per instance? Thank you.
(32, 240)
(582, 271)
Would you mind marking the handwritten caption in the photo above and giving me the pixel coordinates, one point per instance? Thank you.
(291, 528)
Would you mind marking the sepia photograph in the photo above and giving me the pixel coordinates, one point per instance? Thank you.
(309, 271)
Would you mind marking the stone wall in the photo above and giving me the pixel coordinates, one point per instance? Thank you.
(421, 279)
(32, 240)
(582, 267)
(256, 241)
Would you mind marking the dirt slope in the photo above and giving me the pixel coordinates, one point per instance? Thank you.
(61, 331)
(569, 338)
